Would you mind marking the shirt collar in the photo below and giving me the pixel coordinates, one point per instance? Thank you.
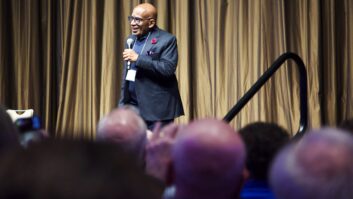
(143, 37)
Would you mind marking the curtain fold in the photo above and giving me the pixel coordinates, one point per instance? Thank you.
(63, 58)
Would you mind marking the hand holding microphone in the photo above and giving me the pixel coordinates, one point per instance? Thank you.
(129, 54)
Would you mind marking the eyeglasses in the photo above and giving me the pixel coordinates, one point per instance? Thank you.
(136, 19)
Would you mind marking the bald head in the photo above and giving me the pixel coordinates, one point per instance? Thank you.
(124, 127)
(319, 166)
(147, 10)
(121, 125)
(208, 159)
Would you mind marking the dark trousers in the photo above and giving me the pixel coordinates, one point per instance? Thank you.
(151, 124)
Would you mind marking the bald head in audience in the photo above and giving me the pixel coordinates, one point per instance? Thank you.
(126, 128)
(208, 161)
(319, 166)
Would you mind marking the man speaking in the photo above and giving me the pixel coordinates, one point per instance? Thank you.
(151, 57)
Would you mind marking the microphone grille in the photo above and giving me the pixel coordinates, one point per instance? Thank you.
(129, 41)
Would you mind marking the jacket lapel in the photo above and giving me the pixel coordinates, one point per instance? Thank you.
(149, 44)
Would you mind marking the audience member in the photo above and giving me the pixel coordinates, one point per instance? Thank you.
(208, 161)
(9, 135)
(126, 128)
(158, 151)
(262, 142)
(319, 166)
(71, 169)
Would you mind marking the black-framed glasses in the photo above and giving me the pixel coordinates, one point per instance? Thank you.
(136, 19)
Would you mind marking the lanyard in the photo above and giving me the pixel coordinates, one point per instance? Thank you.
(143, 44)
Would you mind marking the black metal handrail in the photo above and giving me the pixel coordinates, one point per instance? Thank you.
(264, 78)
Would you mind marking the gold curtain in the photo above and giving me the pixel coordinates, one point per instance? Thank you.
(63, 58)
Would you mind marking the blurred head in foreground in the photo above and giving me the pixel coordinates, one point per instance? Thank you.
(126, 128)
(319, 166)
(208, 161)
(72, 169)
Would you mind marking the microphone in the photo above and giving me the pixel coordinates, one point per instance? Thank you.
(129, 42)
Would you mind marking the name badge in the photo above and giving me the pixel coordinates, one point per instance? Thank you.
(131, 74)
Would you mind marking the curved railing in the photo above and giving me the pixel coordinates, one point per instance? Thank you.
(264, 78)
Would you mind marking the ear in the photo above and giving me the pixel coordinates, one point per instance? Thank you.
(152, 23)
(245, 175)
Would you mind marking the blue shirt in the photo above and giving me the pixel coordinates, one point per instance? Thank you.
(138, 47)
(256, 189)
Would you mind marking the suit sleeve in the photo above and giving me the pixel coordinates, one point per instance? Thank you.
(165, 65)
(122, 88)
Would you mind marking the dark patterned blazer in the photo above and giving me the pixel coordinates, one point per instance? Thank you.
(156, 85)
